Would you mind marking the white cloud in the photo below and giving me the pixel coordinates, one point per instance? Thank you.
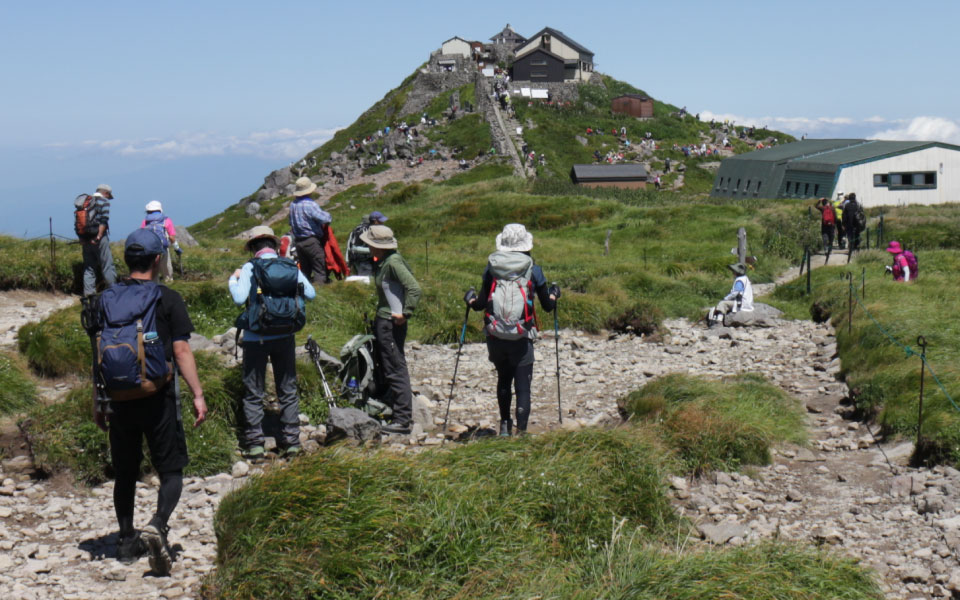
(793, 125)
(937, 129)
(287, 144)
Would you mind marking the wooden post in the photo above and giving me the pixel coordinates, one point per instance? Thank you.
(606, 243)
(809, 269)
(850, 303)
(742, 245)
(53, 258)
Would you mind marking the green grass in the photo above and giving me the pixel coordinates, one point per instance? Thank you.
(561, 515)
(376, 169)
(26, 265)
(884, 380)
(469, 132)
(718, 425)
(56, 346)
(17, 390)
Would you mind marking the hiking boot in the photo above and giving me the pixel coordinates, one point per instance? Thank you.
(161, 559)
(130, 548)
(506, 428)
(253, 452)
(398, 428)
(292, 451)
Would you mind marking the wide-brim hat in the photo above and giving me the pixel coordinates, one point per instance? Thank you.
(154, 206)
(379, 236)
(894, 247)
(304, 187)
(515, 238)
(260, 232)
(738, 268)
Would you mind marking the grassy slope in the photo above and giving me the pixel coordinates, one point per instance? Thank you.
(17, 390)
(561, 515)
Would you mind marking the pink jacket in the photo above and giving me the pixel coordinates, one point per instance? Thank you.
(167, 225)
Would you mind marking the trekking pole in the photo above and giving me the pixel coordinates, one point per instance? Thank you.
(470, 295)
(314, 351)
(180, 261)
(922, 342)
(556, 344)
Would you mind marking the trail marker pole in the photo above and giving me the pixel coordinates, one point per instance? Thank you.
(863, 284)
(426, 259)
(922, 342)
(53, 256)
(850, 303)
(809, 270)
(868, 239)
(803, 261)
(556, 342)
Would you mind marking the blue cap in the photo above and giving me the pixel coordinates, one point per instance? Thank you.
(378, 216)
(143, 242)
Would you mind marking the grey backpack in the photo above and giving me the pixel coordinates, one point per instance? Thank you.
(510, 314)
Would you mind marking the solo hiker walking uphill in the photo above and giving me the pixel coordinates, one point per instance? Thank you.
(273, 289)
(398, 294)
(142, 388)
(162, 225)
(92, 224)
(510, 282)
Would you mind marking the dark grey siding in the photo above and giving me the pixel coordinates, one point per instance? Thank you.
(538, 66)
(807, 184)
(748, 179)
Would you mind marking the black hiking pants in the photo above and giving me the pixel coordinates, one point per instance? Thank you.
(827, 231)
(390, 339)
(513, 360)
(313, 260)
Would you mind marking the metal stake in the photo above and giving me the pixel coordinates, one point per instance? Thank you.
(863, 284)
(922, 342)
(850, 303)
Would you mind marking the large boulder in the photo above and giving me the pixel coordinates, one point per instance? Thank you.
(279, 179)
(252, 209)
(351, 423)
(762, 315)
(422, 414)
(184, 238)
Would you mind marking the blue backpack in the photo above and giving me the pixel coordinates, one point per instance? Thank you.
(131, 359)
(275, 305)
(155, 223)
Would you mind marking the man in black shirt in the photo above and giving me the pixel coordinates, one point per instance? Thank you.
(156, 418)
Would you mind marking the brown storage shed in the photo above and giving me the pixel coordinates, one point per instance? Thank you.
(634, 105)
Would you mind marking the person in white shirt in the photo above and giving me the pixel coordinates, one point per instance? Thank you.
(740, 297)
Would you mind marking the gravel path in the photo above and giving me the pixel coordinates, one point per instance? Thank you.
(58, 541)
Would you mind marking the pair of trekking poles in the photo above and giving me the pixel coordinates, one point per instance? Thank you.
(463, 333)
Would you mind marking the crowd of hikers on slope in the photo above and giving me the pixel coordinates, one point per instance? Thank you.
(140, 332)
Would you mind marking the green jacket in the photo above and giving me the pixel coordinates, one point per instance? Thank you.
(393, 275)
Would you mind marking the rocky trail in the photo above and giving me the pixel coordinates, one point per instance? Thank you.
(59, 541)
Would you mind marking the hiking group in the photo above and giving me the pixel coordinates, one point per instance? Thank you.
(843, 220)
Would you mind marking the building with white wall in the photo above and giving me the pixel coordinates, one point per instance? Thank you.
(881, 173)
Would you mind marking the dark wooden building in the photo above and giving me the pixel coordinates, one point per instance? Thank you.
(629, 176)
(634, 105)
(538, 65)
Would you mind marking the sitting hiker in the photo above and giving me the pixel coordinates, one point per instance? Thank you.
(740, 297)
(273, 290)
(358, 253)
(510, 282)
(162, 225)
(142, 388)
(904, 266)
(397, 296)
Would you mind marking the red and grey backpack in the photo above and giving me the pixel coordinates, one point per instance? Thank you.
(510, 314)
(85, 216)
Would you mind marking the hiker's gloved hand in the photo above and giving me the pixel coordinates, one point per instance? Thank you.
(554, 291)
(470, 297)
(176, 247)
(888, 269)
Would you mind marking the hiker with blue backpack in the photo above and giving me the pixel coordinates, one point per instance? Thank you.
(141, 331)
(162, 225)
(273, 290)
(510, 282)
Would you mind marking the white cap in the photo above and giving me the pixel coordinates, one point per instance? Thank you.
(154, 206)
(104, 188)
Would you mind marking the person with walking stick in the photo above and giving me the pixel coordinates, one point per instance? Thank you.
(510, 282)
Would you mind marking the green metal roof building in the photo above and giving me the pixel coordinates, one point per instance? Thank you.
(879, 172)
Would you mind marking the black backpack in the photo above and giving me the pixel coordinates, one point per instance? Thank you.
(275, 305)
(859, 217)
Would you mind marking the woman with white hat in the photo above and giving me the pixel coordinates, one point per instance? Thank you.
(162, 225)
(510, 282)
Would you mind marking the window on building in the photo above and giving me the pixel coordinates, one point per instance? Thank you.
(737, 187)
(881, 180)
(816, 190)
(534, 74)
(758, 187)
(746, 188)
(538, 63)
(806, 189)
(912, 181)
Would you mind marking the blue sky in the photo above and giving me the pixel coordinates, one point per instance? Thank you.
(193, 103)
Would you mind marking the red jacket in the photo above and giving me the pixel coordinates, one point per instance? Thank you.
(331, 250)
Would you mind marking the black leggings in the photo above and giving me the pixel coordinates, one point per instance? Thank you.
(519, 377)
(124, 493)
